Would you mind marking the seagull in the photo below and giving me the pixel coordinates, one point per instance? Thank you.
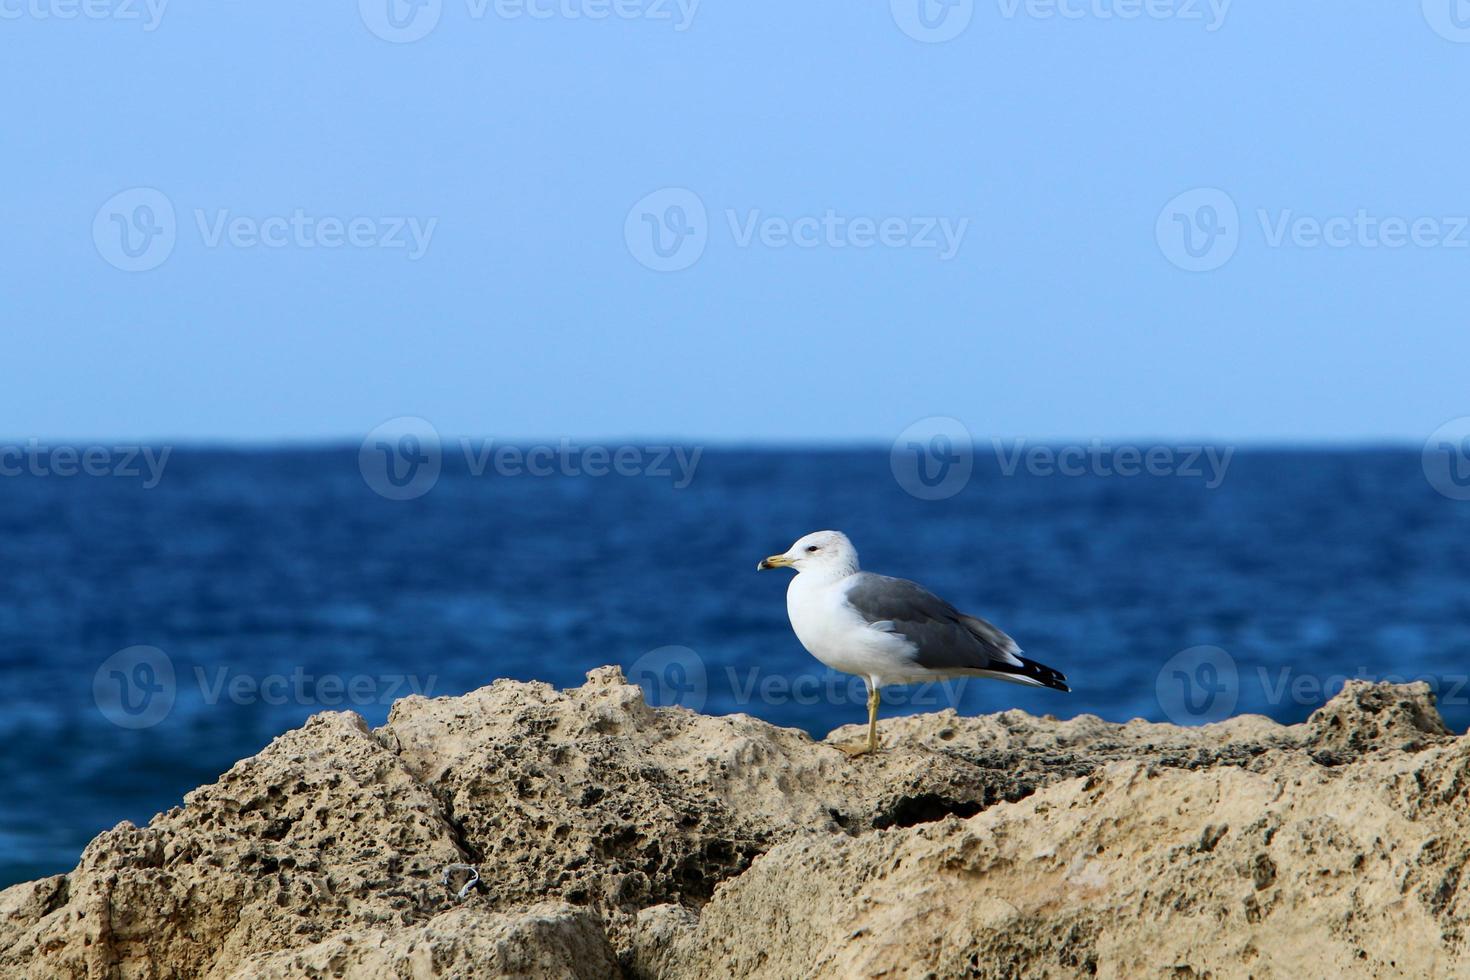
(890, 630)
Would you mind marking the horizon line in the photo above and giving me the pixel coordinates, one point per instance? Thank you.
(797, 444)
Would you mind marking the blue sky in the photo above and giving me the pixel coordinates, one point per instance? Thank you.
(520, 146)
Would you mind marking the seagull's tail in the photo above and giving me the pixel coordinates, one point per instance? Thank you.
(1028, 672)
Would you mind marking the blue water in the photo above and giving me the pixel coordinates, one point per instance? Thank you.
(283, 568)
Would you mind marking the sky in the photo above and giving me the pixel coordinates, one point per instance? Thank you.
(745, 222)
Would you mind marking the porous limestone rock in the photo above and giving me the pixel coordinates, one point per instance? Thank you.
(615, 839)
(544, 940)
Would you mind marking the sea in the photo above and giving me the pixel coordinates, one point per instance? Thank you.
(159, 623)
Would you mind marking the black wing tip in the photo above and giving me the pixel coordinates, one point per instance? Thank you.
(1046, 676)
(1057, 683)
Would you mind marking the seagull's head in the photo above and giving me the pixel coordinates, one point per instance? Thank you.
(821, 551)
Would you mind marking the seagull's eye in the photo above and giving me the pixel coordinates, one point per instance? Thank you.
(811, 548)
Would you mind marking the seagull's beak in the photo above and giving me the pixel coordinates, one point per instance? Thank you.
(775, 561)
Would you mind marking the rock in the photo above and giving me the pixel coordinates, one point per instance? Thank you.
(546, 940)
(1367, 717)
(1291, 871)
(613, 838)
(658, 937)
(324, 830)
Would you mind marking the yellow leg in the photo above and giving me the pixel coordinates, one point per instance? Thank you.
(872, 744)
(874, 699)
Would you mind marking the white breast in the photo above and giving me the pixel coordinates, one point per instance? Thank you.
(834, 633)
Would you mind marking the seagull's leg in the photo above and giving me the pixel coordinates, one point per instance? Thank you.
(853, 751)
(874, 699)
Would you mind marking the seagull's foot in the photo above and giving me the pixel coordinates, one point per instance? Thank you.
(855, 749)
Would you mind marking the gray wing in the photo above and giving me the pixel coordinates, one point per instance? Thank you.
(946, 638)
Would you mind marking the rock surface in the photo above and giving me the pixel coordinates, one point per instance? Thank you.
(618, 840)
(546, 940)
